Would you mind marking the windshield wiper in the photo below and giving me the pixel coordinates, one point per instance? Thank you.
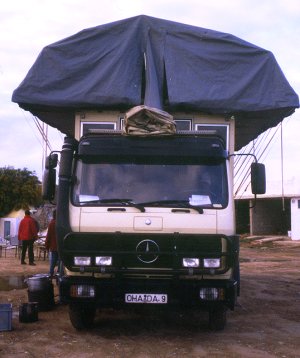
(176, 203)
(125, 202)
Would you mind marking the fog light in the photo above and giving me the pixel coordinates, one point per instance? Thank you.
(209, 294)
(82, 260)
(82, 291)
(103, 260)
(190, 262)
(211, 263)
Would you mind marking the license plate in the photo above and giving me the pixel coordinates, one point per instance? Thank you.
(149, 298)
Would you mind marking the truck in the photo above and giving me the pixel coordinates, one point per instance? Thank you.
(154, 112)
(147, 219)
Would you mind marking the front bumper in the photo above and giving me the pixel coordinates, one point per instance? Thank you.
(185, 293)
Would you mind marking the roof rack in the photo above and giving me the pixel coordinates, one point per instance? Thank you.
(182, 132)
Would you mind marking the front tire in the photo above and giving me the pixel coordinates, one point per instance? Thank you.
(217, 318)
(82, 316)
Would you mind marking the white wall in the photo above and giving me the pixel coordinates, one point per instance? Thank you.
(295, 218)
(14, 218)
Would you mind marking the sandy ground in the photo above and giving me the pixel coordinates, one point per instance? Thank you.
(266, 322)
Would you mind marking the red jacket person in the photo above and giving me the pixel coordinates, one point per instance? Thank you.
(51, 245)
(27, 234)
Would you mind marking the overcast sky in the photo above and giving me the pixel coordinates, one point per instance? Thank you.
(28, 26)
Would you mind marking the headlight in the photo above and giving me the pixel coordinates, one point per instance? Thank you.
(190, 262)
(82, 291)
(82, 261)
(212, 263)
(103, 260)
(209, 293)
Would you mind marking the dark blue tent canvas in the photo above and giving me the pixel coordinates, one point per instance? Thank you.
(162, 64)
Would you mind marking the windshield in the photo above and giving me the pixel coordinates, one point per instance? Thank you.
(103, 184)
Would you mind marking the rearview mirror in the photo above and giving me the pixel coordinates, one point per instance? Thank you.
(51, 161)
(49, 184)
(258, 178)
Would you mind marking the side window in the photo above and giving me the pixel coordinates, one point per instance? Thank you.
(214, 129)
(87, 127)
(183, 124)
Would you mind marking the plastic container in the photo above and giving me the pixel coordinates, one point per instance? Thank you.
(39, 282)
(5, 316)
(40, 290)
(28, 312)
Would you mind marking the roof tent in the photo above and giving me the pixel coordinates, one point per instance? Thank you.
(162, 64)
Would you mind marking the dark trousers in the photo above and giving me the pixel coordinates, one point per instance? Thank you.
(27, 244)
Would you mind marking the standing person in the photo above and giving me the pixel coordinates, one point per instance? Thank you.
(51, 244)
(27, 234)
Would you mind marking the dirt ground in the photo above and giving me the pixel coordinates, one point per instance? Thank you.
(266, 322)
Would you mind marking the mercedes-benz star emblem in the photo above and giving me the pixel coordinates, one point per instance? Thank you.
(147, 251)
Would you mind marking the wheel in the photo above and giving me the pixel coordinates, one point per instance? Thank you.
(236, 276)
(236, 268)
(82, 316)
(217, 318)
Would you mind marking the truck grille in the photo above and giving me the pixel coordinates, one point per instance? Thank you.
(151, 255)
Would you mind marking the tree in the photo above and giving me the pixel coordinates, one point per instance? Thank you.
(19, 189)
